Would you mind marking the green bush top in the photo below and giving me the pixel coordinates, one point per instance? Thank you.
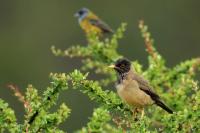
(176, 86)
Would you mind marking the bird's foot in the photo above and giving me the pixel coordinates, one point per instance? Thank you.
(135, 113)
(142, 115)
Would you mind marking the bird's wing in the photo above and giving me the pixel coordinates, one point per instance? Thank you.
(144, 86)
(102, 25)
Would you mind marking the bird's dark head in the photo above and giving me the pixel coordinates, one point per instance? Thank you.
(82, 13)
(122, 66)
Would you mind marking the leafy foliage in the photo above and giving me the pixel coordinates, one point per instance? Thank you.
(37, 117)
(7, 118)
(176, 86)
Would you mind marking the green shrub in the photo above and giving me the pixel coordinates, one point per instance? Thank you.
(176, 86)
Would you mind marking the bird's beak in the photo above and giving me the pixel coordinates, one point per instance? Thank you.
(76, 15)
(111, 66)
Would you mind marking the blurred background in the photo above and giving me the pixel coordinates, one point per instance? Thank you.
(29, 28)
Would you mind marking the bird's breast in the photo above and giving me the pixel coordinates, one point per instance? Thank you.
(88, 27)
(130, 92)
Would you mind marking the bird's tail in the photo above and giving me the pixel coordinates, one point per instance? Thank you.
(163, 106)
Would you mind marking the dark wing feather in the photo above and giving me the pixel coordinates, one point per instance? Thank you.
(144, 86)
(102, 25)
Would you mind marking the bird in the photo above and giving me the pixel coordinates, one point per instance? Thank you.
(91, 23)
(134, 89)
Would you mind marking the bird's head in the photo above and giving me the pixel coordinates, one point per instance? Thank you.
(122, 66)
(82, 13)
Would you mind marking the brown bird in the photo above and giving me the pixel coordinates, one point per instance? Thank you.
(134, 89)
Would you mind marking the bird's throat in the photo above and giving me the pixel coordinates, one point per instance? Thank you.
(121, 77)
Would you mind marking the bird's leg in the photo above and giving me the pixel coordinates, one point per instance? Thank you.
(135, 111)
(142, 115)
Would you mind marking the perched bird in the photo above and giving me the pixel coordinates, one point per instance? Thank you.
(91, 23)
(134, 89)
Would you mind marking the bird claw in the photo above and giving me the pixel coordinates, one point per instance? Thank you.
(136, 111)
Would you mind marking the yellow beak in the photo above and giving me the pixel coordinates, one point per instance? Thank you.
(111, 66)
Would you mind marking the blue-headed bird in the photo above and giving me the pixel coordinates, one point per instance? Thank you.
(91, 23)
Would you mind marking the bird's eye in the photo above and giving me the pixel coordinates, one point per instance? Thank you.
(81, 12)
(122, 66)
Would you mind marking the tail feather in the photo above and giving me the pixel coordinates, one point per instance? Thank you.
(163, 106)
